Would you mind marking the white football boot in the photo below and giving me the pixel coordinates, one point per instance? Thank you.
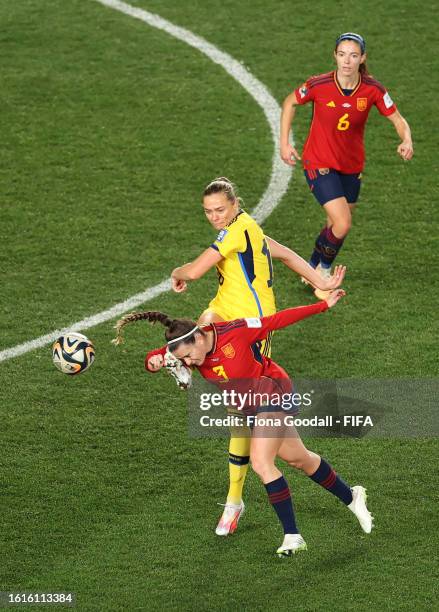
(293, 542)
(324, 273)
(359, 508)
(177, 369)
(229, 518)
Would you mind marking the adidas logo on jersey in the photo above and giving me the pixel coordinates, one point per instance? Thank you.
(331, 104)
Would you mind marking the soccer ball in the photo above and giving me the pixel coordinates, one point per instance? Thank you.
(73, 353)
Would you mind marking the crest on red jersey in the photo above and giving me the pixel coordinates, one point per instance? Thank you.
(361, 104)
(228, 351)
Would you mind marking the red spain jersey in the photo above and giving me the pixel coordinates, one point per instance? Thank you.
(335, 138)
(235, 361)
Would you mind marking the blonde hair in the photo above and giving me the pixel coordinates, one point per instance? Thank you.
(223, 185)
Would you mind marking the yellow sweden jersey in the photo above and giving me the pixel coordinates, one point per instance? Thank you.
(246, 273)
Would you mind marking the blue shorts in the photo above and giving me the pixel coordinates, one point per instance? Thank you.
(328, 184)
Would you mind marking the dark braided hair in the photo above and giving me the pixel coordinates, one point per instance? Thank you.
(174, 327)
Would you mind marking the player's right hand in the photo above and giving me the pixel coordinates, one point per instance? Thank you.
(289, 154)
(334, 296)
(155, 363)
(178, 285)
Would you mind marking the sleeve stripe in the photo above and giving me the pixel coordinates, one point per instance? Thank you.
(322, 82)
(373, 82)
(318, 77)
(224, 329)
(213, 246)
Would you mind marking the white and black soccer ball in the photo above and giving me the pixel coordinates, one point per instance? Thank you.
(73, 353)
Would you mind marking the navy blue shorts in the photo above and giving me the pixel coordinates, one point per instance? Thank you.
(328, 184)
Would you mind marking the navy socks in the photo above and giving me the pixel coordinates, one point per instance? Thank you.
(326, 477)
(280, 498)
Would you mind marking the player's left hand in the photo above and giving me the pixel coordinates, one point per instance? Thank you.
(336, 279)
(405, 150)
(334, 296)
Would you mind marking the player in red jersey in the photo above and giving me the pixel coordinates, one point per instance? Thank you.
(243, 256)
(224, 354)
(333, 155)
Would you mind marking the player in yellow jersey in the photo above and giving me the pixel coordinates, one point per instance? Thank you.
(242, 256)
(244, 270)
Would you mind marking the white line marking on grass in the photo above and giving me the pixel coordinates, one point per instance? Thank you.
(280, 173)
(92, 321)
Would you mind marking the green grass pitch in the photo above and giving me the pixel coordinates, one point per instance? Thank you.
(110, 129)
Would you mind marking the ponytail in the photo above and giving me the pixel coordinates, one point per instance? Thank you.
(174, 327)
(363, 69)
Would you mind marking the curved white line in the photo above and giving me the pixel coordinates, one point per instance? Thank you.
(280, 173)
